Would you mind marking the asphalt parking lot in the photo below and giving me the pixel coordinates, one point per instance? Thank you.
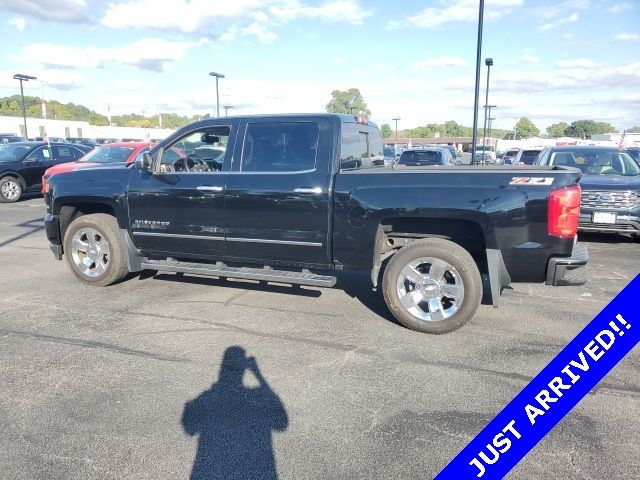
(154, 377)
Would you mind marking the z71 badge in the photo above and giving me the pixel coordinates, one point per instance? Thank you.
(531, 181)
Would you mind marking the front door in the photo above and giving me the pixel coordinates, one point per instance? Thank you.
(177, 209)
(35, 165)
(277, 194)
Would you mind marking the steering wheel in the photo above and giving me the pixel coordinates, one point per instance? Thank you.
(193, 163)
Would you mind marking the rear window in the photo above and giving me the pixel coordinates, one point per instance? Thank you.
(361, 147)
(421, 158)
(529, 156)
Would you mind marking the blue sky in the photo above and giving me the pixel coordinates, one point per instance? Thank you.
(555, 60)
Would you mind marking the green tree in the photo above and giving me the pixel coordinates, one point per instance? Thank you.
(453, 129)
(348, 101)
(587, 128)
(635, 129)
(385, 130)
(557, 130)
(526, 128)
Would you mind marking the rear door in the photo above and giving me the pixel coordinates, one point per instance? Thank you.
(278, 191)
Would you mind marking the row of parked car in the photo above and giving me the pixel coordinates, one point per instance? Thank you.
(91, 142)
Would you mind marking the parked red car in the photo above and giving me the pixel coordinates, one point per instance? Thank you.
(103, 155)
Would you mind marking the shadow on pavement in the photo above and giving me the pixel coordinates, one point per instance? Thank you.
(34, 226)
(605, 237)
(234, 423)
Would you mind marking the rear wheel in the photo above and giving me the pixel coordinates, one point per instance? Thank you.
(94, 249)
(10, 189)
(432, 286)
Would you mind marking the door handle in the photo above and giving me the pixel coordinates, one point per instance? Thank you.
(316, 190)
(209, 188)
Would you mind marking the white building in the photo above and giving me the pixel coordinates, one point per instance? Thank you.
(630, 139)
(38, 127)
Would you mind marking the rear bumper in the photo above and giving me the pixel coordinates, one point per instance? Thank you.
(52, 228)
(568, 271)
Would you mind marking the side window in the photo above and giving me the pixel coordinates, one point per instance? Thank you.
(355, 152)
(200, 151)
(41, 153)
(63, 154)
(280, 147)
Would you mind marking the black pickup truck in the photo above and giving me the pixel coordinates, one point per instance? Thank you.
(291, 198)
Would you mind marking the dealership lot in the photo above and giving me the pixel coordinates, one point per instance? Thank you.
(95, 381)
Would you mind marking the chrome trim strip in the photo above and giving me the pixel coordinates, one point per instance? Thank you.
(280, 242)
(176, 235)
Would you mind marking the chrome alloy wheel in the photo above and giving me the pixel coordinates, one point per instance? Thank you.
(11, 190)
(90, 252)
(430, 289)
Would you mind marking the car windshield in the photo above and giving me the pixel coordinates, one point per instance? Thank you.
(597, 162)
(421, 158)
(11, 153)
(107, 155)
(487, 148)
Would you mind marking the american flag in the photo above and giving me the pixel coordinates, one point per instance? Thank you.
(622, 140)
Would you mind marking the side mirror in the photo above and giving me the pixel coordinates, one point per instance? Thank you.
(30, 160)
(144, 161)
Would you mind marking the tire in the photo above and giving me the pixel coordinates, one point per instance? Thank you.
(94, 250)
(10, 189)
(445, 291)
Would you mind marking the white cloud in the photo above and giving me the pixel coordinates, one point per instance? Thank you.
(346, 11)
(189, 16)
(621, 7)
(61, 79)
(578, 63)
(561, 21)
(68, 11)
(154, 54)
(457, 11)
(529, 58)
(438, 62)
(18, 22)
(625, 37)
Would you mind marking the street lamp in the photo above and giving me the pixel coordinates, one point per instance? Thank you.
(226, 109)
(395, 145)
(217, 75)
(23, 78)
(477, 92)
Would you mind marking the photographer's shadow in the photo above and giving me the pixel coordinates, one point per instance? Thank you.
(235, 423)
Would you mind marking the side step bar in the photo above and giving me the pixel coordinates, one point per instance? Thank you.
(262, 274)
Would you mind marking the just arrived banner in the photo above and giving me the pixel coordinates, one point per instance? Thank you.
(551, 394)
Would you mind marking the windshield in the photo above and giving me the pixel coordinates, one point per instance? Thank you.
(488, 148)
(107, 155)
(11, 153)
(597, 162)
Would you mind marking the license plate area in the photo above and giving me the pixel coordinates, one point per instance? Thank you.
(604, 217)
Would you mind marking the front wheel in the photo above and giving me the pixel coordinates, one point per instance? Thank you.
(432, 286)
(94, 249)
(10, 189)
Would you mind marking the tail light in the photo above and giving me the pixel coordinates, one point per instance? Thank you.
(45, 185)
(564, 212)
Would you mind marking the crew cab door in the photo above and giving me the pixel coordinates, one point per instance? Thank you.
(177, 208)
(277, 198)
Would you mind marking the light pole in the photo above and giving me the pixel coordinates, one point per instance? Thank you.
(488, 62)
(226, 109)
(477, 93)
(23, 78)
(487, 108)
(217, 75)
(491, 119)
(395, 145)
